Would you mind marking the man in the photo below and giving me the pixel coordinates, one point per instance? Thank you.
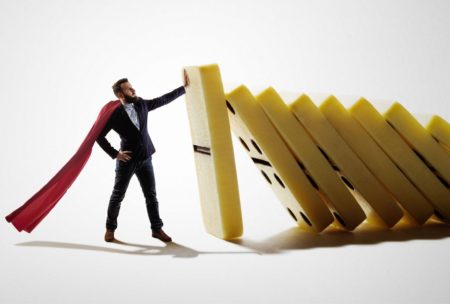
(129, 120)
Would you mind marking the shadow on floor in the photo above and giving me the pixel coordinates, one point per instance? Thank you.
(291, 239)
(171, 249)
(296, 238)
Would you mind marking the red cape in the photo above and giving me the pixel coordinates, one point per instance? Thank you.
(33, 211)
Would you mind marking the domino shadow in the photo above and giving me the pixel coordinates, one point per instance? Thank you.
(298, 239)
(170, 249)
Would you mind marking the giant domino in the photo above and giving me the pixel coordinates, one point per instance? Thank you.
(345, 208)
(403, 156)
(420, 140)
(382, 203)
(440, 130)
(213, 152)
(377, 161)
(276, 163)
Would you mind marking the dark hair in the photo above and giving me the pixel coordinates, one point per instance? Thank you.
(116, 86)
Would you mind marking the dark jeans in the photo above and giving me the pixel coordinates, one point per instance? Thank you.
(144, 172)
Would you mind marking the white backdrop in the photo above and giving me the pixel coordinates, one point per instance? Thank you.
(58, 61)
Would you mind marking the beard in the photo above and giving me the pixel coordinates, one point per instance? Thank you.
(130, 99)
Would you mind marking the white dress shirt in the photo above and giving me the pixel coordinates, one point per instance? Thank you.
(131, 111)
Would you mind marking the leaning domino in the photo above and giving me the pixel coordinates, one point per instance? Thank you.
(377, 161)
(440, 130)
(382, 203)
(403, 156)
(276, 163)
(346, 209)
(213, 152)
(420, 140)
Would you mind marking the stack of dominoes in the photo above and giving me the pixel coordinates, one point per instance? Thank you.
(328, 165)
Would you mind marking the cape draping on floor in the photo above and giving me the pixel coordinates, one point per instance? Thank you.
(33, 211)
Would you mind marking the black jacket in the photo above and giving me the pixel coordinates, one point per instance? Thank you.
(132, 139)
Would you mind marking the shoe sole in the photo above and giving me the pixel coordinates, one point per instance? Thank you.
(165, 241)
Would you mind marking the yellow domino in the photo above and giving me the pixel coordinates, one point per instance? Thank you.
(278, 166)
(377, 161)
(440, 130)
(403, 156)
(345, 208)
(382, 203)
(213, 152)
(420, 141)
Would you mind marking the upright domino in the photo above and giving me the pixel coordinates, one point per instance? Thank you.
(377, 161)
(382, 203)
(345, 208)
(420, 141)
(440, 130)
(403, 156)
(276, 163)
(213, 152)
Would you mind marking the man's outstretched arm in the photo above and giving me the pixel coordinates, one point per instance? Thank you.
(164, 99)
(104, 143)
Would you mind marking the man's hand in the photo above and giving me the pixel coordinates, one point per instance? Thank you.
(123, 156)
(185, 79)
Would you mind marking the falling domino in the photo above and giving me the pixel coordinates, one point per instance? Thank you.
(345, 208)
(440, 130)
(297, 147)
(276, 163)
(404, 157)
(377, 161)
(428, 150)
(382, 203)
(213, 152)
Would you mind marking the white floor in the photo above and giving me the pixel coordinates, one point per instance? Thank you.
(66, 261)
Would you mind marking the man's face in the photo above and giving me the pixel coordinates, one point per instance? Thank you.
(128, 93)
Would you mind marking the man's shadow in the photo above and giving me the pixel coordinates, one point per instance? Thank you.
(171, 249)
(298, 239)
(291, 239)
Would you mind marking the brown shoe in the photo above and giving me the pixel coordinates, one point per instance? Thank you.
(109, 236)
(160, 234)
